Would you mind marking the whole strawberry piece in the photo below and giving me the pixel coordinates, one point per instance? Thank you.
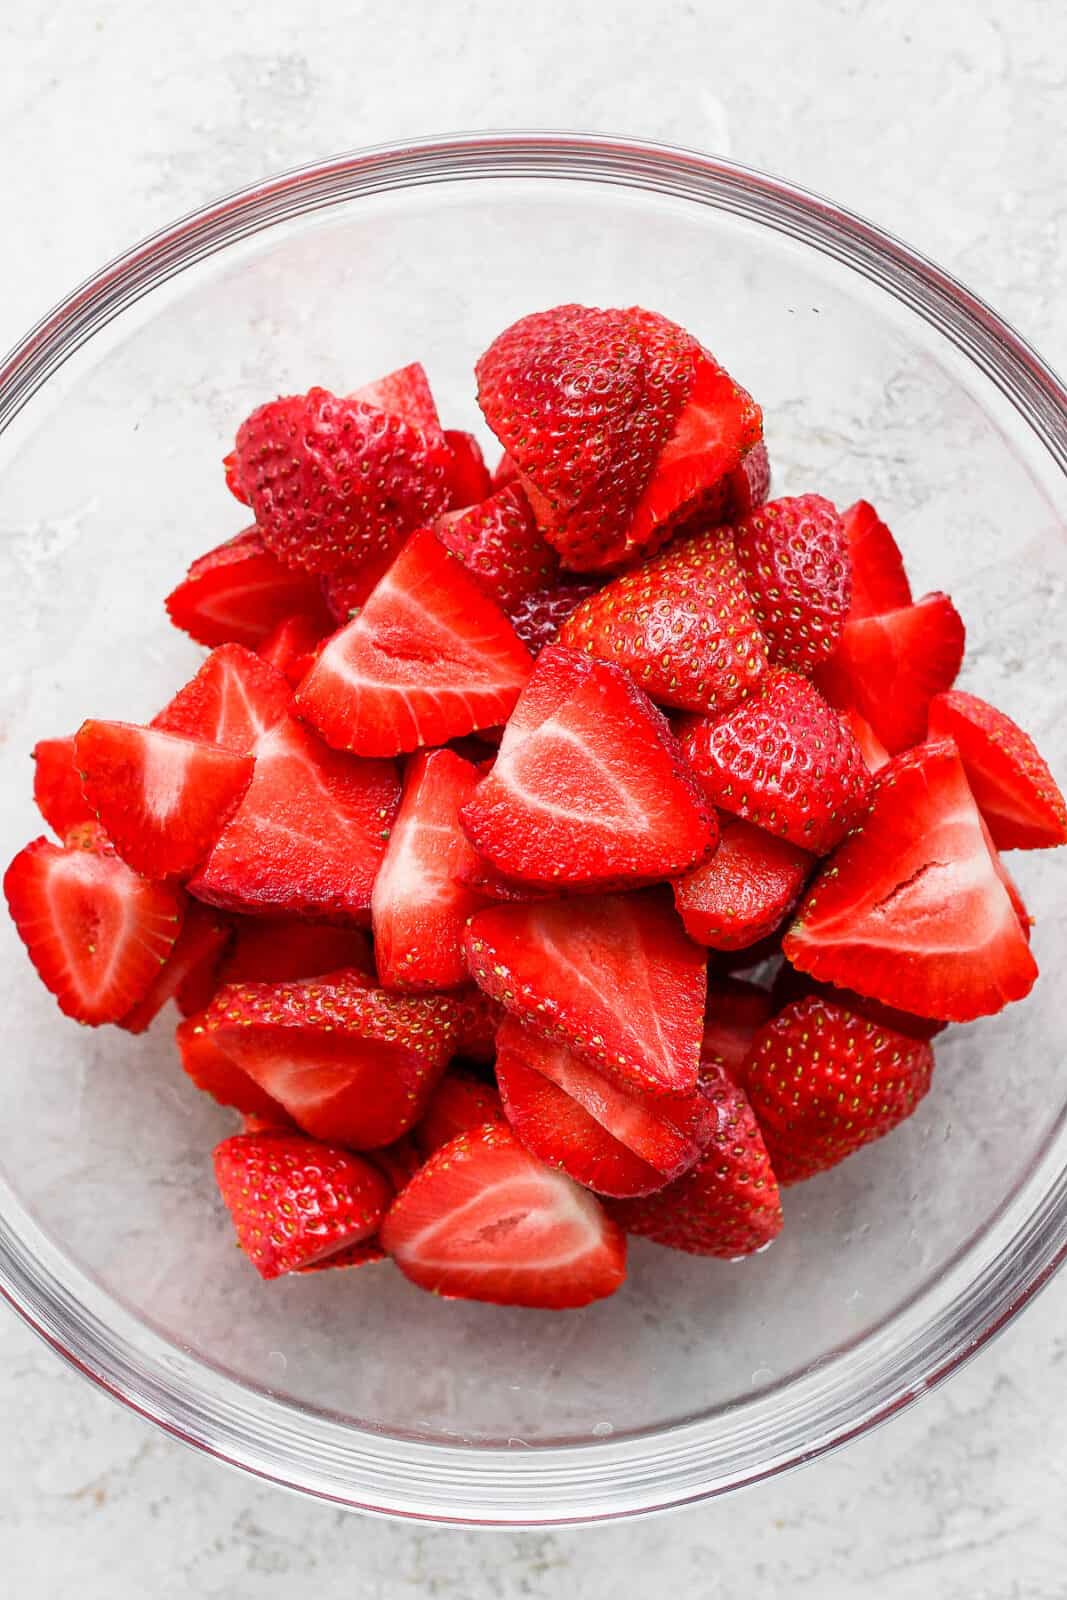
(742, 893)
(1009, 778)
(794, 558)
(498, 541)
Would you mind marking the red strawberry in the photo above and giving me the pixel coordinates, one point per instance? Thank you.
(784, 761)
(428, 658)
(291, 648)
(331, 479)
(240, 592)
(468, 476)
(199, 945)
(283, 949)
(57, 786)
(612, 976)
(295, 1203)
(499, 543)
(749, 484)
(479, 1018)
(595, 796)
(399, 1161)
(794, 559)
(309, 835)
(363, 1254)
(912, 909)
(682, 625)
(234, 698)
(162, 799)
(538, 617)
(728, 1205)
(790, 985)
(485, 881)
(745, 890)
(824, 1082)
(504, 472)
(214, 1073)
(889, 667)
(96, 932)
(347, 592)
(405, 393)
(736, 1011)
(873, 751)
(460, 1103)
(879, 582)
(484, 1220)
(1010, 780)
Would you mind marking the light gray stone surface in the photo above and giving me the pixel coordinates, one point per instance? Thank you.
(943, 120)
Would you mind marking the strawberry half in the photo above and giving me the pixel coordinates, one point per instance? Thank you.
(57, 786)
(538, 617)
(613, 977)
(879, 582)
(162, 799)
(794, 558)
(468, 476)
(912, 910)
(504, 472)
(484, 1220)
(232, 701)
(283, 949)
(1016, 793)
(240, 593)
(462, 1101)
(741, 894)
(784, 761)
(215, 1074)
(499, 543)
(736, 1011)
(428, 658)
(196, 952)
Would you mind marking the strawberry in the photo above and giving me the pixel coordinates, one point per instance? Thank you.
(429, 657)
(595, 796)
(1015, 791)
(418, 908)
(479, 1018)
(873, 751)
(295, 1203)
(234, 698)
(309, 835)
(879, 582)
(196, 952)
(889, 667)
(347, 592)
(283, 949)
(736, 1011)
(331, 479)
(292, 647)
(162, 799)
(616, 1141)
(460, 1102)
(613, 977)
(793, 556)
(681, 624)
(363, 1254)
(784, 761)
(350, 1063)
(619, 423)
(503, 473)
(749, 484)
(790, 985)
(468, 477)
(240, 593)
(399, 1161)
(487, 883)
(745, 890)
(96, 932)
(406, 394)
(57, 787)
(498, 542)
(728, 1205)
(215, 1074)
(912, 909)
(539, 616)
(824, 1081)
(484, 1220)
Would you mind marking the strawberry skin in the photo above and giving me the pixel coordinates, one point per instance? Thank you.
(468, 476)
(499, 543)
(879, 582)
(749, 484)
(1010, 780)
(538, 617)
(462, 1101)
(741, 894)
(216, 1074)
(794, 558)
(234, 699)
(484, 1220)
(406, 394)
(57, 786)
(240, 592)
(479, 1018)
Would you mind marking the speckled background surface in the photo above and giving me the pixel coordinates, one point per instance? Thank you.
(944, 122)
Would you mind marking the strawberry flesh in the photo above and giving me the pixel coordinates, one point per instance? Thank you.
(462, 1101)
(735, 1013)
(292, 647)
(468, 476)
(1010, 780)
(283, 949)
(743, 892)
(57, 785)
(240, 592)
(879, 582)
(196, 953)
(234, 699)
(405, 393)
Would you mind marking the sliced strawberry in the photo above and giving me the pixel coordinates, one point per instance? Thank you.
(291, 648)
(96, 932)
(347, 592)
(460, 1102)
(741, 894)
(728, 1205)
(736, 1011)
(1009, 778)
(283, 949)
(873, 751)
(912, 909)
(405, 393)
(399, 1161)
(681, 624)
(57, 785)
(216, 1074)
(196, 951)
(612, 976)
(889, 667)
(479, 1019)
(468, 475)
(428, 658)
(596, 795)
(419, 909)
(240, 593)
(232, 701)
(295, 1203)
(484, 1220)
(879, 582)
(794, 559)
(504, 472)
(499, 543)
(538, 617)
(783, 761)
(162, 799)
(309, 835)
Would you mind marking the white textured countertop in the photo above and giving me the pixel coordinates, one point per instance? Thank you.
(944, 120)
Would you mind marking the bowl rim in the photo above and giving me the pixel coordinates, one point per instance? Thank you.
(651, 1470)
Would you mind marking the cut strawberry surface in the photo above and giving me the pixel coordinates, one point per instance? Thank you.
(217, 1075)
(484, 1220)
(480, 1017)
(498, 541)
(196, 952)
(1015, 791)
(612, 976)
(162, 799)
(57, 785)
(468, 475)
(292, 647)
(504, 472)
(912, 909)
(793, 555)
(538, 617)
(736, 1011)
(743, 892)
(460, 1103)
(749, 484)
(234, 699)
(309, 835)
(428, 658)
(240, 592)
(873, 751)
(283, 949)
(405, 393)
(879, 582)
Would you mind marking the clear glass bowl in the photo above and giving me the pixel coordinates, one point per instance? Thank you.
(881, 377)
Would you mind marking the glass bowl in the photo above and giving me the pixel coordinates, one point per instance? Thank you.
(880, 377)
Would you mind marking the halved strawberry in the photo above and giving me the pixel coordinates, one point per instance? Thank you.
(538, 617)
(480, 1017)
(405, 393)
(419, 909)
(743, 892)
(612, 976)
(912, 909)
(283, 949)
(216, 1074)
(234, 698)
(1016, 793)
(57, 785)
(879, 582)
(460, 1102)
(595, 795)
(296, 1203)
(889, 667)
(308, 837)
(429, 657)
(871, 748)
(736, 1011)
(498, 541)
(794, 559)
(681, 624)
(291, 648)
(783, 761)
(240, 593)
(484, 1220)
(468, 475)
(199, 945)
(96, 932)
(162, 799)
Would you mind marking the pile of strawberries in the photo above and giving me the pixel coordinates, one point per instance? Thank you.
(577, 743)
